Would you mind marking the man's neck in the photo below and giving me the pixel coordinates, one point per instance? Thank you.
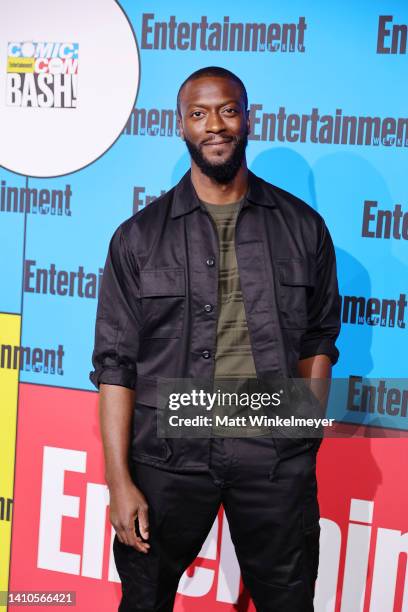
(210, 191)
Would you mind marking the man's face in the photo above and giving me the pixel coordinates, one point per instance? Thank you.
(214, 124)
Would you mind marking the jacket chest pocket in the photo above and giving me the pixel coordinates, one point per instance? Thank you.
(297, 279)
(163, 294)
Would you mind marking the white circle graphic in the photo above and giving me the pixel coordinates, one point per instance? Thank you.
(69, 76)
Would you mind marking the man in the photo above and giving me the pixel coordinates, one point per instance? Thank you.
(225, 275)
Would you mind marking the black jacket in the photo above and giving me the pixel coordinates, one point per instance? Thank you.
(160, 273)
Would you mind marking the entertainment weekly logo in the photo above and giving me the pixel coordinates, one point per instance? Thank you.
(344, 554)
(384, 223)
(226, 35)
(391, 37)
(31, 200)
(42, 74)
(374, 311)
(282, 125)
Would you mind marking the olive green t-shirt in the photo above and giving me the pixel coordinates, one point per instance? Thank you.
(233, 357)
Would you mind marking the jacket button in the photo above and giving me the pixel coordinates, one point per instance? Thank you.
(206, 354)
(210, 261)
(208, 308)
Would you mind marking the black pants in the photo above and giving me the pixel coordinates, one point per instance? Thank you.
(272, 511)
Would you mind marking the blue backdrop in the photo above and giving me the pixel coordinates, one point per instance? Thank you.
(347, 60)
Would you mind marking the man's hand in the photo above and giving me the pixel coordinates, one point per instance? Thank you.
(127, 503)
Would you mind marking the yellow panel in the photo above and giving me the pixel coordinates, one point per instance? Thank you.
(10, 325)
(20, 64)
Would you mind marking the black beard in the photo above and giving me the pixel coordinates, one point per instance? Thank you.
(224, 172)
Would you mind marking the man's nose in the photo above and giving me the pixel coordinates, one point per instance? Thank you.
(214, 122)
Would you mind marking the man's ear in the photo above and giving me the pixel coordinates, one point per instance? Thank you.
(248, 122)
(180, 127)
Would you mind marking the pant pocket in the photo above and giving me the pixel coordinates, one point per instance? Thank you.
(290, 447)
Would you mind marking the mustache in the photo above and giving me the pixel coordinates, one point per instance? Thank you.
(213, 139)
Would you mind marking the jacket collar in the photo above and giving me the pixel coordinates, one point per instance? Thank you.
(185, 198)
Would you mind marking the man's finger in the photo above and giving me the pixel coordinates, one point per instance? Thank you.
(134, 539)
(140, 545)
(122, 536)
(143, 517)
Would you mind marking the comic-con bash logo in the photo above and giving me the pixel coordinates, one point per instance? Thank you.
(64, 100)
(42, 74)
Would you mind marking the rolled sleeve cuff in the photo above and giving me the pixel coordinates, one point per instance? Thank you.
(321, 346)
(122, 376)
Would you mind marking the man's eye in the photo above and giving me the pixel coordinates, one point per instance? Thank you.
(196, 113)
(230, 111)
